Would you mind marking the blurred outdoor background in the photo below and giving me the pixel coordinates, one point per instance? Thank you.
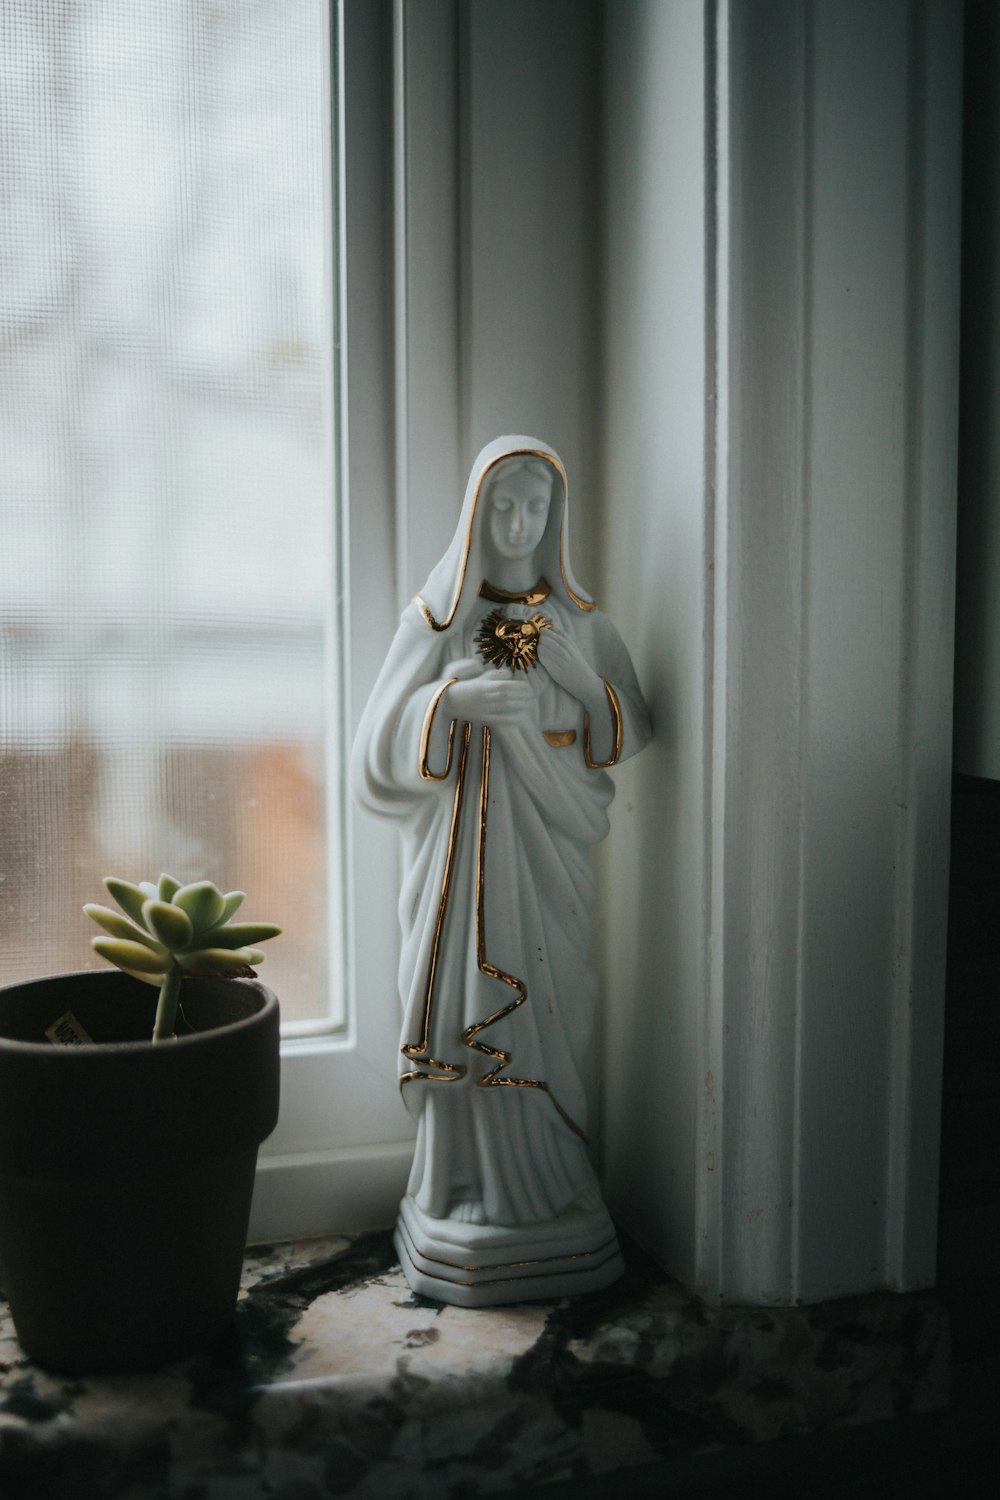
(165, 467)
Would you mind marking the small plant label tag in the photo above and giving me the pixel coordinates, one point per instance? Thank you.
(67, 1032)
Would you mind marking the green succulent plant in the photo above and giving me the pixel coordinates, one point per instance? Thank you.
(168, 930)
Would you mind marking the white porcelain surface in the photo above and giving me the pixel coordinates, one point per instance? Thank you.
(505, 697)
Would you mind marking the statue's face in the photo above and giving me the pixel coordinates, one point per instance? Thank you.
(518, 508)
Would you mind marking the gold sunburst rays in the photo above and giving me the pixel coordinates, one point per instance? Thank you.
(505, 641)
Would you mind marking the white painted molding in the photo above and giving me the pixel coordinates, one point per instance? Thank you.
(656, 581)
(340, 1095)
(431, 465)
(530, 191)
(340, 1191)
(798, 1027)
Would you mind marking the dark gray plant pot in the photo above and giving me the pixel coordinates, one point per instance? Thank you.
(126, 1169)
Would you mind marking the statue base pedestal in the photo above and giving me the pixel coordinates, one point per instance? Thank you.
(484, 1265)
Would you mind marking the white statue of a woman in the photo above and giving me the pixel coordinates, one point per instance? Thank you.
(505, 696)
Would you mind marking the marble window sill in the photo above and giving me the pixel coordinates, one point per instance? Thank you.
(338, 1380)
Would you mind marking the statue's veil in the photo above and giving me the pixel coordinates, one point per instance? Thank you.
(462, 565)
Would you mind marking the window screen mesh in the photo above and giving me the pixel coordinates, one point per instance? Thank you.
(165, 466)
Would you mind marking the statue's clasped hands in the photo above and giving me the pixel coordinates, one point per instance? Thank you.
(482, 694)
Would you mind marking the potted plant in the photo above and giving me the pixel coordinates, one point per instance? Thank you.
(132, 1105)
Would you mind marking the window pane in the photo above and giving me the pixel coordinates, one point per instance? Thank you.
(165, 568)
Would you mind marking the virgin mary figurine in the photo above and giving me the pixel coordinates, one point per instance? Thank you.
(504, 700)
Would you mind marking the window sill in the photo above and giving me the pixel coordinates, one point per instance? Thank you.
(338, 1380)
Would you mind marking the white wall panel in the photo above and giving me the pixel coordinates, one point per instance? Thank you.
(656, 549)
(780, 1050)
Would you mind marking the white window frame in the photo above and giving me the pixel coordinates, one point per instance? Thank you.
(339, 1156)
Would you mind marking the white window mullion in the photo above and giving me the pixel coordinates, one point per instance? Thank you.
(340, 1154)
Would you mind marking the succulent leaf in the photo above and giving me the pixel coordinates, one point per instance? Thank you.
(169, 930)
(168, 923)
(155, 980)
(129, 955)
(240, 934)
(202, 902)
(217, 960)
(233, 901)
(120, 927)
(130, 898)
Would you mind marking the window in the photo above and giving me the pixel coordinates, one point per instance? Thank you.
(166, 571)
(171, 575)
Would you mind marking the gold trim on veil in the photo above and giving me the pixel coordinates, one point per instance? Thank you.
(551, 458)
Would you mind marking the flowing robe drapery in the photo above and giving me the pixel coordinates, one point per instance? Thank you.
(497, 986)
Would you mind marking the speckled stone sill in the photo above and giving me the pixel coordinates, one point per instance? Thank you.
(337, 1380)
